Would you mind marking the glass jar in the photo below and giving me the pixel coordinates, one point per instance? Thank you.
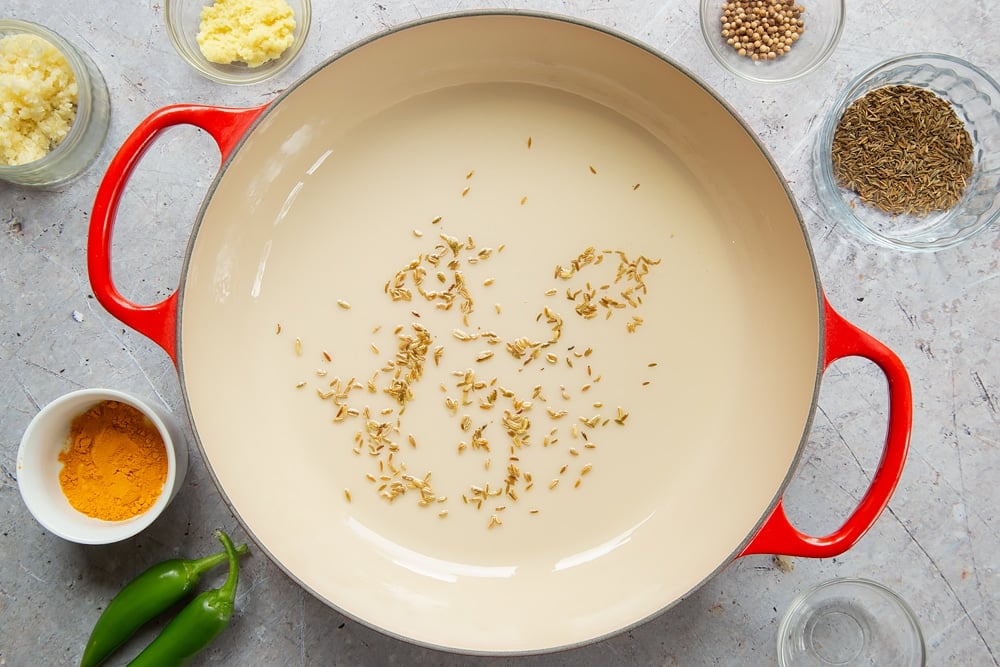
(90, 124)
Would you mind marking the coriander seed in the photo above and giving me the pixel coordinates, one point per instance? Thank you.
(762, 29)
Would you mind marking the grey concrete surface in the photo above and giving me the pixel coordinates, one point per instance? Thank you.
(938, 545)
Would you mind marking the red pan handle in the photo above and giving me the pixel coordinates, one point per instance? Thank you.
(156, 321)
(777, 535)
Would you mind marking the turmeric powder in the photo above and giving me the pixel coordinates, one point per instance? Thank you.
(115, 462)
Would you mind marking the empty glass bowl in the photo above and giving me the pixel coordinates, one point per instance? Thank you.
(975, 97)
(824, 23)
(848, 623)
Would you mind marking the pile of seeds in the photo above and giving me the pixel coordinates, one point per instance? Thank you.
(762, 29)
(476, 395)
(494, 425)
(903, 149)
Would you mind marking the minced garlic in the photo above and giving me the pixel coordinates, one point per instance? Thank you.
(38, 96)
(248, 31)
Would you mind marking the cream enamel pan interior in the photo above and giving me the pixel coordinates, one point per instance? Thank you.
(522, 141)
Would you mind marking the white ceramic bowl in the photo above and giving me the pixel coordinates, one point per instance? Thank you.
(824, 23)
(183, 18)
(38, 468)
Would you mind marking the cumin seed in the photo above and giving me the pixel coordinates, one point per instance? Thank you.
(904, 150)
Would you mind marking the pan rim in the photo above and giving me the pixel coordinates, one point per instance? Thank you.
(607, 31)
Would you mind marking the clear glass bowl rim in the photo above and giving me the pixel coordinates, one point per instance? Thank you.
(823, 169)
(208, 70)
(818, 60)
(90, 83)
(800, 600)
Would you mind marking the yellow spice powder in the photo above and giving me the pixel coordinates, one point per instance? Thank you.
(38, 96)
(248, 31)
(115, 462)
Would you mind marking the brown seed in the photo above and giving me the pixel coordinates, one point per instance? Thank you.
(755, 28)
(903, 150)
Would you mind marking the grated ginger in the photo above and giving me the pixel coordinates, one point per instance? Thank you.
(38, 96)
(248, 31)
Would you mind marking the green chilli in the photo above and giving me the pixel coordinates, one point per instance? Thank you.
(197, 624)
(145, 597)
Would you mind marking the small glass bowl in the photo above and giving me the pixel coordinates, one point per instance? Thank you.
(183, 18)
(38, 468)
(824, 23)
(975, 97)
(850, 622)
(83, 143)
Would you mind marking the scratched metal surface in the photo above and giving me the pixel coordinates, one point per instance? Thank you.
(938, 546)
